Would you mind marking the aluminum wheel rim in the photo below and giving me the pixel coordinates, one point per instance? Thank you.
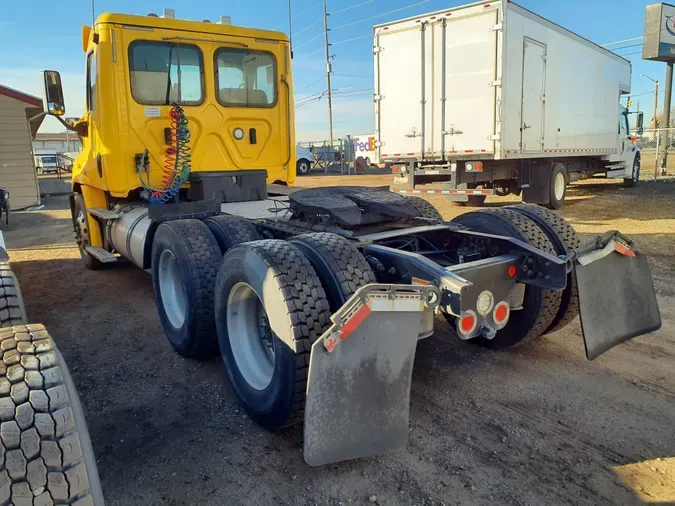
(250, 335)
(304, 167)
(559, 186)
(171, 289)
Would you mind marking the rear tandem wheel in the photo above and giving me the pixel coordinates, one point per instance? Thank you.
(268, 297)
(540, 306)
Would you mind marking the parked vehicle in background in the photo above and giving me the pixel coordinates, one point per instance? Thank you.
(364, 146)
(510, 103)
(46, 160)
(304, 160)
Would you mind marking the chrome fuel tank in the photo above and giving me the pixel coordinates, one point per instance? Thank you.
(129, 233)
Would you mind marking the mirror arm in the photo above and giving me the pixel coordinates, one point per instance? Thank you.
(65, 124)
(43, 114)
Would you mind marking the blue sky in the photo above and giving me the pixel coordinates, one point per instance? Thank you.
(54, 39)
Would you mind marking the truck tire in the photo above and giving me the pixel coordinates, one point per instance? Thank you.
(230, 230)
(565, 240)
(635, 174)
(82, 235)
(425, 208)
(339, 264)
(540, 306)
(557, 188)
(302, 167)
(12, 309)
(263, 285)
(185, 259)
(47, 453)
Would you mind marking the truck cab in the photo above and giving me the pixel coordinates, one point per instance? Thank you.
(233, 85)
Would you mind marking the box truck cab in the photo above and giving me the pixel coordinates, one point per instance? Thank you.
(494, 99)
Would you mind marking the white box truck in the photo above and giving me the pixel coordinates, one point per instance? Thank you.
(490, 98)
(46, 160)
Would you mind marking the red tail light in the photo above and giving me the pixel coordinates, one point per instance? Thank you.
(467, 323)
(501, 313)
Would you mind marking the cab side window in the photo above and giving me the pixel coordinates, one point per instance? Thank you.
(91, 81)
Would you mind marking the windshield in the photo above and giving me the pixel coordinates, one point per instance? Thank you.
(163, 73)
(246, 78)
(48, 159)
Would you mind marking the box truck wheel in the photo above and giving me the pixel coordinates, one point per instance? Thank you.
(231, 231)
(565, 240)
(185, 259)
(302, 166)
(634, 179)
(425, 208)
(557, 186)
(540, 306)
(82, 232)
(270, 307)
(47, 453)
(339, 264)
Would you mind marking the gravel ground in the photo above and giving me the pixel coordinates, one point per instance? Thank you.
(537, 425)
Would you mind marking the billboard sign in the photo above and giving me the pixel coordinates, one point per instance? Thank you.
(659, 35)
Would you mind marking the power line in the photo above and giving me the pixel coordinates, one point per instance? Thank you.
(352, 76)
(308, 27)
(380, 15)
(626, 47)
(310, 84)
(298, 15)
(353, 38)
(309, 40)
(629, 54)
(620, 42)
(303, 56)
(352, 7)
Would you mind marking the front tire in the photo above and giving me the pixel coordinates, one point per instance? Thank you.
(635, 174)
(82, 226)
(185, 259)
(268, 297)
(302, 167)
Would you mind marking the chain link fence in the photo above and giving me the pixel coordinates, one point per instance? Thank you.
(332, 157)
(657, 147)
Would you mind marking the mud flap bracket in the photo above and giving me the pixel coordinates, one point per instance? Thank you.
(360, 369)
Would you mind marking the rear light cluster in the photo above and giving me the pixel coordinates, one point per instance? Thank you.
(486, 307)
(473, 166)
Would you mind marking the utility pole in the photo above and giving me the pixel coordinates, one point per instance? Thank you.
(666, 117)
(328, 72)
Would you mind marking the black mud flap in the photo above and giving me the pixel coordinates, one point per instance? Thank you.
(360, 370)
(617, 300)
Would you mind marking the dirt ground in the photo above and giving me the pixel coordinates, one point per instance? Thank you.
(536, 425)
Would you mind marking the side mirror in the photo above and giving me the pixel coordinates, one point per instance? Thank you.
(52, 93)
(639, 123)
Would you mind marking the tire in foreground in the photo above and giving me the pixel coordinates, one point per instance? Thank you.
(270, 307)
(45, 445)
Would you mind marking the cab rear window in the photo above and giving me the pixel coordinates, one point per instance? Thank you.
(163, 73)
(245, 78)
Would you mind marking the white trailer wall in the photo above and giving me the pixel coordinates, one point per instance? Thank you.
(582, 84)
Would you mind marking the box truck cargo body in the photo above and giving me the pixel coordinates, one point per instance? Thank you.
(492, 98)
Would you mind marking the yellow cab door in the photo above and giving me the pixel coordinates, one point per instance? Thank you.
(238, 113)
(89, 164)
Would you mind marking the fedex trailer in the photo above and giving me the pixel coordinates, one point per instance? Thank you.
(492, 99)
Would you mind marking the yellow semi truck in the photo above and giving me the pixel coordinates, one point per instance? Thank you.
(316, 298)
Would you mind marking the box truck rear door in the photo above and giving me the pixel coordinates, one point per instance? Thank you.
(398, 67)
(470, 53)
